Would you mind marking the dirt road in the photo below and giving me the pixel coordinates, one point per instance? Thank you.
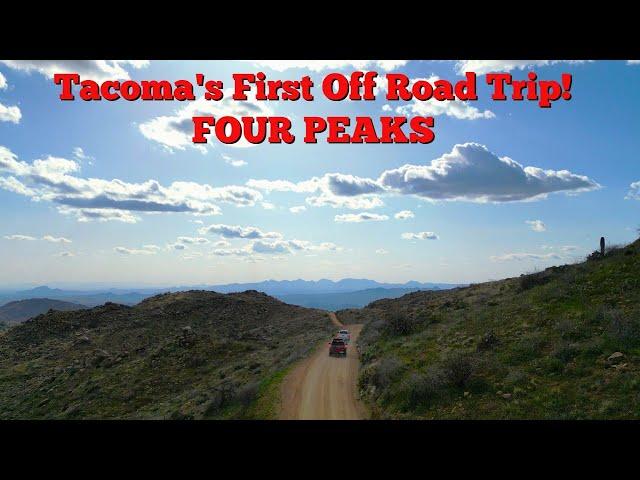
(323, 387)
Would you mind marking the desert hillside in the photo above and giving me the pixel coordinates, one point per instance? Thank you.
(563, 343)
(185, 355)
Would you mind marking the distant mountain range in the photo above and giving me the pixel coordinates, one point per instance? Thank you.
(21, 310)
(325, 294)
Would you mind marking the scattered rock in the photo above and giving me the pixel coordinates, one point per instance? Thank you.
(466, 394)
(506, 396)
(615, 357)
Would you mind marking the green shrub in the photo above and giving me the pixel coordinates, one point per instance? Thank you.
(623, 328)
(566, 352)
(534, 279)
(488, 341)
(422, 389)
(398, 323)
(385, 372)
(247, 393)
(458, 369)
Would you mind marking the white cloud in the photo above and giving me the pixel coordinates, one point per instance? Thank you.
(84, 215)
(320, 65)
(193, 240)
(51, 179)
(176, 246)
(130, 251)
(153, 248)
(236, 231)
(404, 215)
(221, 244)
(233, 161)
(12, 184)
(98, 70)
(381, 251)
(175, 132)
(65, 254)
(431, 108)
(634, 191)
(633, 62)
(486, 66)
(81, 156)
(298, 209)
(537, 225)
(49, 238)
(352, 203)
(19, 237)
(470, 172)
(525, 256)
(10, 114)
(419, 236)
(360, 217)
(335, 190)
(268, 206)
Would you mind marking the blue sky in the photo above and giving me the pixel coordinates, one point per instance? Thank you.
(114, 193)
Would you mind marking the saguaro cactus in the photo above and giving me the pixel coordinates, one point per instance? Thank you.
(602, 246)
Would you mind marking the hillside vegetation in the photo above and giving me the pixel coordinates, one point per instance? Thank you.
(563, 343)
(185, 355)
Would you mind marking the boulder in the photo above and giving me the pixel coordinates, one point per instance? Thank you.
(615, 357)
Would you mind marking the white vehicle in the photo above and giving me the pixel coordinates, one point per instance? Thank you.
(344, 335)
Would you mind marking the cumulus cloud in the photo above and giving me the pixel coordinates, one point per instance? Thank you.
(193, 240)
(334, 190)
(234, 162)
(55, 180)
(419, 236)
(381, 251)
(404, 215)
(19, 237)
(470, 172)
(65, 254)
(98, 70)
(132, 251)
(236, 231)
(10, 114)
(320, 65)
(276, 247)
(360, 217)
(175, 132)
(634, 191)
(486, 66)
(537, 225)
(525, 256)
(351, 203)
(298, 209)
(52, 239)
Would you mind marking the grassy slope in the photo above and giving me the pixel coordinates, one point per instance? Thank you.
(138, 362)
(533, 347)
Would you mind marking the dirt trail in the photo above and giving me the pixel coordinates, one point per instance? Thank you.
(323, 387)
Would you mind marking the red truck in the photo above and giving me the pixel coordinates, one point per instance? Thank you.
(337, 347)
